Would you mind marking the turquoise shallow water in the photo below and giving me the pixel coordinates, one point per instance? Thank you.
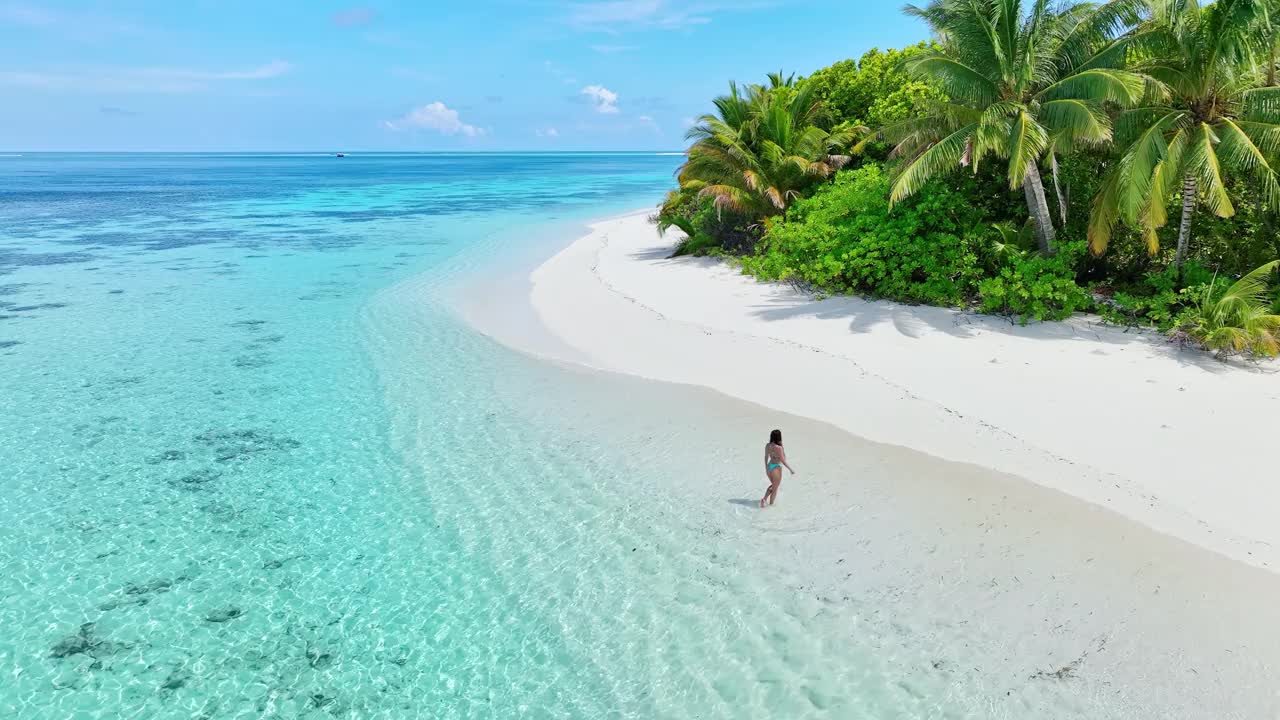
(255, 466)
(205, 507)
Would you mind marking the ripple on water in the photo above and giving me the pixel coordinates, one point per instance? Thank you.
(406, 521)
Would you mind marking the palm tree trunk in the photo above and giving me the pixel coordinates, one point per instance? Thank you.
(1057, 188)
(1269, 213)
(1271, 68)
(1184, 229)
(1269, 228)
(1033, 187)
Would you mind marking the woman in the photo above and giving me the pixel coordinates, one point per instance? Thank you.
(775, 458)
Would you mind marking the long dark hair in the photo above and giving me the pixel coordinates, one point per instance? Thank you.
(775, 437)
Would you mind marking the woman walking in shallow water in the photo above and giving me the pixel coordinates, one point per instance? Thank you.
(775, 458)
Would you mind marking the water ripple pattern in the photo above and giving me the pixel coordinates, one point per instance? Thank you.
(254, 466)
(204, 512)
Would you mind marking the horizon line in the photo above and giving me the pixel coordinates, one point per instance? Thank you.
(329, 152)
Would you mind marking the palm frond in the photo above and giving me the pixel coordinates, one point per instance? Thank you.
(1027, 141)
(938, 158)
(1247, 292)
(955, 78)
(1238, 321)
(1164, 179)
(1202, 161)
(1082, 121)
(1238, 150)
(1117, 86)
(1105, 212)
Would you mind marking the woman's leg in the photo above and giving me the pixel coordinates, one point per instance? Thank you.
(775, 479)
(769, 491)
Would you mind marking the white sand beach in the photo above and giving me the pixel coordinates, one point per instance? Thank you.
(1031, 520)
(1169, 437)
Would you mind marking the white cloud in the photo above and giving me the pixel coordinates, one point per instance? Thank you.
(74, 24)
(394, 39)
(273, 69)
(689, 122)
(611, 15)
(436, 116)
(416, 75)
(565, 77)
(604, 99)
(117, 111)
(547, 132)
(29, 15)
(354, 16)
(138, 79)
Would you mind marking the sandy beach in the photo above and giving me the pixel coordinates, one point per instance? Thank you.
(1029, 517)
(1122, 419)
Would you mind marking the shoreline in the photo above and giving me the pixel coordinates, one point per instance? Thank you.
(1089, 410)
(939, 579)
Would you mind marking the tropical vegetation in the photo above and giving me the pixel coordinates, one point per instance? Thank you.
(1023, 162)
(1237, 321)
(1214, 113)
(1022, 85)
(763, 148)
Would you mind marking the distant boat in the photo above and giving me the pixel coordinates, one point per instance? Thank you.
(341, 155)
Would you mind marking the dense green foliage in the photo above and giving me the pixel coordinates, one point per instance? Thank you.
(1022, 85)
(1034, 287)
(874, 91)
(935, 248)
(760, 151)
(1160, 299)
(1205, 115)
(846, 240)
(981, 169)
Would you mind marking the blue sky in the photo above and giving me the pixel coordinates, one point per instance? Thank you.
(429, 75)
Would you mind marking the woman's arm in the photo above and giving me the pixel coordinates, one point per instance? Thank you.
(766, 458)
(782, 455)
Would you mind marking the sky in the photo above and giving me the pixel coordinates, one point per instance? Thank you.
(461, 75)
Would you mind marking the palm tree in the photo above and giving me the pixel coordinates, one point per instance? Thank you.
(762, 149)
(1024, 82)
(1239, 321)
(1217, 118)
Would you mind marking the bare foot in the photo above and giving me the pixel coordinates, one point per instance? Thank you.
(761, 503)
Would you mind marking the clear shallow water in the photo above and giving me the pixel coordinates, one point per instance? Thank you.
(204, 508)
(255, 467)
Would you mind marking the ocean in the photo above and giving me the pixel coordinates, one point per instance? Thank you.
(254, 463)
(256, 466)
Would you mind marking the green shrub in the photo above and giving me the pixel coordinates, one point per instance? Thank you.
(707, 229)
(1032, 287)
(696, 244)
(844, 239)
(1274, 282)
(1161, 299)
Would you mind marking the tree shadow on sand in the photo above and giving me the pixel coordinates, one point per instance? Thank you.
(917, 321)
